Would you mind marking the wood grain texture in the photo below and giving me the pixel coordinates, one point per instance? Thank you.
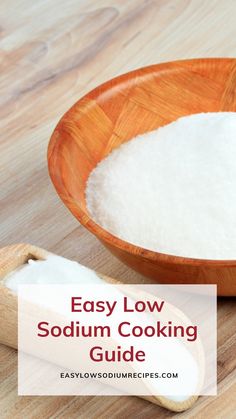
(14, 256)
(117, 111)
(52, 53)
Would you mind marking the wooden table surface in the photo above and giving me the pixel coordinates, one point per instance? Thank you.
(52, 52)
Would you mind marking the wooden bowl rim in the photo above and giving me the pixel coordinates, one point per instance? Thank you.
(84, 218)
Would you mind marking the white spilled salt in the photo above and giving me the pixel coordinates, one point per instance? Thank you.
(172, 190)
(53, 270)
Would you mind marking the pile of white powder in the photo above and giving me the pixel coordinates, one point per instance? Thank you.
(172, 190)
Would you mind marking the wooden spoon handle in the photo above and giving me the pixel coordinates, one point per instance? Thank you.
(14, 256)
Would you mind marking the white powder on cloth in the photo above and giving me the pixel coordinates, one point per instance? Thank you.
(172, 190)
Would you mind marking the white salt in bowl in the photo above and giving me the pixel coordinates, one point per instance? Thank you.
(119, 110)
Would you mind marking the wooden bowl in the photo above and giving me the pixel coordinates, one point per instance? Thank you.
(118, 110)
